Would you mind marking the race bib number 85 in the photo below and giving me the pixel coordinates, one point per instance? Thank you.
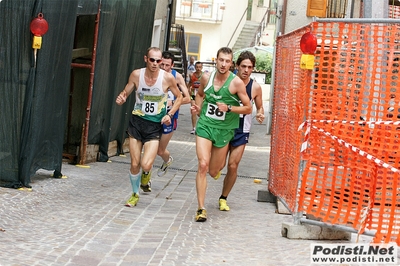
(214, 113)
(149, 108)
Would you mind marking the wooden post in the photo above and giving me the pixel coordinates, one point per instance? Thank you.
(82, 150)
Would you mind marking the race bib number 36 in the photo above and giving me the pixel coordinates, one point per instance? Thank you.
(149, 108)
(214, 113)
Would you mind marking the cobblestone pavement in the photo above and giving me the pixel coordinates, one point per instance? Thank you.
(82, 220)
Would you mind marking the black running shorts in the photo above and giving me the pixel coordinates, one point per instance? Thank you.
(144, 130)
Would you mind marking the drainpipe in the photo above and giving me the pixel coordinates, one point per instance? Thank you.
(283, 18)
(352, 9)
(168, 24)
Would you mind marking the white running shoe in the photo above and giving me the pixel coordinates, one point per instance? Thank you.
(164, 167)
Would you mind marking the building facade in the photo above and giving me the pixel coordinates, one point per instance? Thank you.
(211, 24)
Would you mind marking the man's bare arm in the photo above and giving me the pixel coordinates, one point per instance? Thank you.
(171, 84)
(257, 96)
(184, 89)
(129, 87)
(196, 107)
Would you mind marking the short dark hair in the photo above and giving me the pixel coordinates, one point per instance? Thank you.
(168, 55)
(198, 63)
(225, 50)
(246, 55)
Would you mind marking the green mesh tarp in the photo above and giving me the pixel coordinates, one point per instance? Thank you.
(35, 97)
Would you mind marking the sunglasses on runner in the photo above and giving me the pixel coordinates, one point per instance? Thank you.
(155, 60)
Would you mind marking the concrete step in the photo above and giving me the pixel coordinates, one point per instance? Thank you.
(247, 35)
(175, 50)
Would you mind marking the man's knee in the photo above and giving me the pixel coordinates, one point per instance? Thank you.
(135, 169)
(203, 166)
(233, 167)
(146, 167)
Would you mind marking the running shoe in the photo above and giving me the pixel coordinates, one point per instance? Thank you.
(133, 200)
(145, 183)
(164, 167)
(145, 178)
(193, 131)
(147, 187)
(217, 176)
(201, 215)
(223, 206)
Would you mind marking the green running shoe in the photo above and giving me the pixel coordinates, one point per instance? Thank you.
(146, 188)
(133, 200)
(145, 183)
(145, 178)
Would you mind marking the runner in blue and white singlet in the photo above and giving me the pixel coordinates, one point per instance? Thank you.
(242, 133)
(168, 130)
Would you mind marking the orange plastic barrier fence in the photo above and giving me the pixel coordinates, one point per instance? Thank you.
(336, 130)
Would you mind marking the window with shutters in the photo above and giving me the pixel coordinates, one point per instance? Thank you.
(316, 8)
(327, 8)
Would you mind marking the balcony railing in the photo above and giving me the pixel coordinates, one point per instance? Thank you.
(200, 10)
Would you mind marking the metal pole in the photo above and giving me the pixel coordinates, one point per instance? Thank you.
(298, 214)
(271, 92)
(360, 20)
(168, 24)
(352, 9)
(284, 203)
(336, 227)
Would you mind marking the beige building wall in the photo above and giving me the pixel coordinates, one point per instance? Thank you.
(159, 25)
(296, 13)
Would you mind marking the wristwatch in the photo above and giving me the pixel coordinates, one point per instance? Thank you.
(229, 108)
